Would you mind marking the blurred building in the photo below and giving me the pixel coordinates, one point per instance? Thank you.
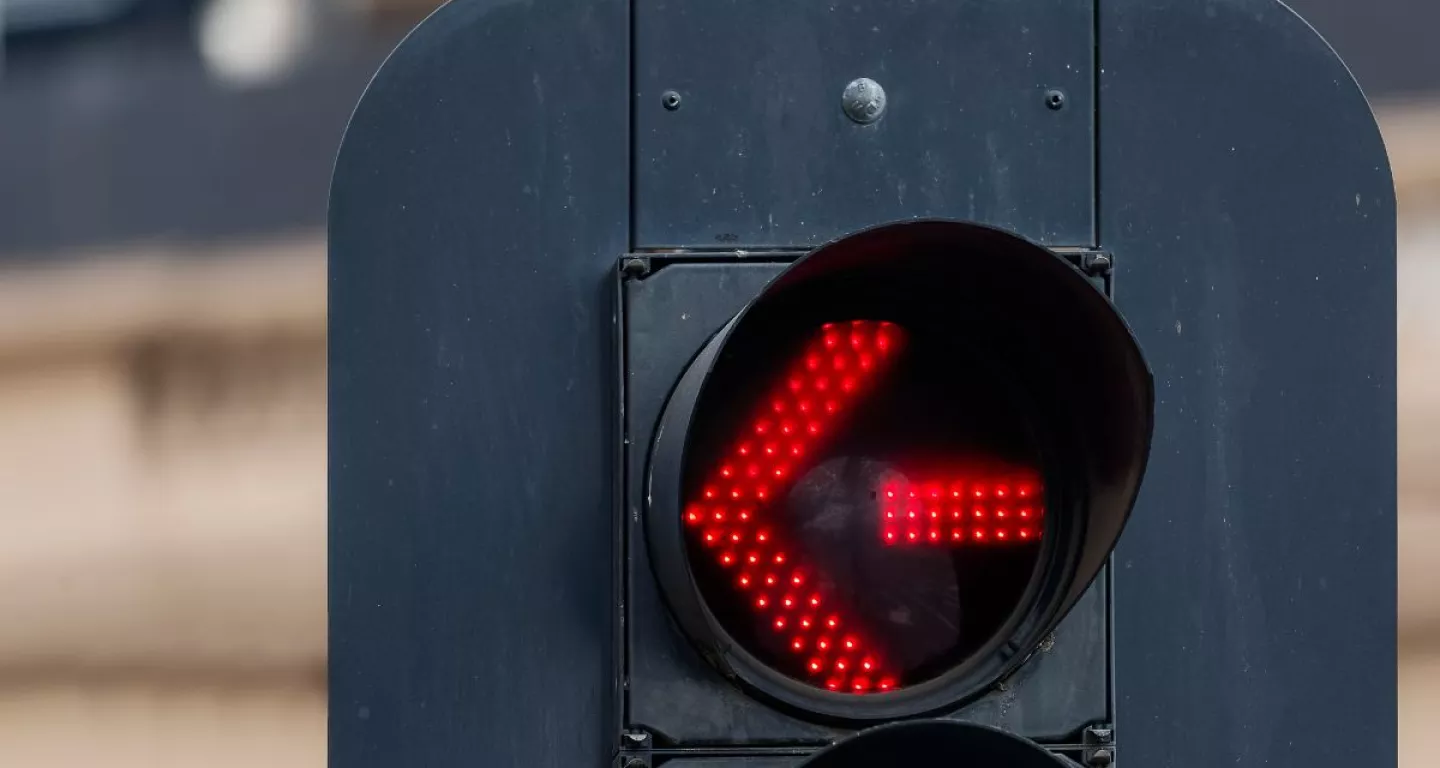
(163, 175)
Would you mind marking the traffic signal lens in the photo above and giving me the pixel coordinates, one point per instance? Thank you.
(864, 507)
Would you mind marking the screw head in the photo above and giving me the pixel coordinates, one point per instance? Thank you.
(1055, 99)
(1101, 758)
(670, 100)
(863, 101)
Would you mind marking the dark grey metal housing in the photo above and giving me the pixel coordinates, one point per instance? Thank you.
(509, 153)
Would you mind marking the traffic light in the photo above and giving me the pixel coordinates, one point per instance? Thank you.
(876, 490)
(766, 384)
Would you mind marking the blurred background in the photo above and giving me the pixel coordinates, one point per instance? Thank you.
(163, 176)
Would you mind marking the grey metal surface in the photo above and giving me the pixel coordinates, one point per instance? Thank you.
(1245, 195)
(761, 153)
(477, 210)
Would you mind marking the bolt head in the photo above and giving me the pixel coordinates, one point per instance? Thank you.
(863, 101)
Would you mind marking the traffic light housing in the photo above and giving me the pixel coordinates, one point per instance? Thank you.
(969, 458)
(522, 185)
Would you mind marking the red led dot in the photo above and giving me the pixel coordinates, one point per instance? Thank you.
(1001, 491)
(890, 536)
(796, 385)
(840, 665)
(727, 559)
(780, 471)
(934, 514)
(890, 493)
(692, 516)
(866, 362)
(999, 534)
(744, 449)
(831, 339)
(910, 514)
(832, 622)
(1024, 533)
(777, 406)
(761, 427)
(761, 602)
(710, 493)
(822, 383)
(860, 684)
(847, 384)
(735, 537)
(762, 536)
(804, 406)
(1000, 512)
(1023, 491)
(788, 602)
(761, 492)
(769, 579)
(787, 428)
(770, 449)
(956, 535)
(779, 558)
(744, 580)
(709, 537)
(1025, 512)
(823, 643)
(797, 579)
(857, 339)
(934, 535)
(867, 664)
(885, 684)
(979, 512)
(979, 534)
(719, 514)
(814, 601)
(735, 493)
(806, 621)
(744, 514)
(882, 341)
(780, 623)
(954, 514)
(912, 535)
(833, 684)
(831, 406)
(979, 491)
(797, 449)
(812, 362)
(752, 558)
(849, 643)
(798, 644)
(838, 362)
(813, 428)
(727, 471)
(816, 665)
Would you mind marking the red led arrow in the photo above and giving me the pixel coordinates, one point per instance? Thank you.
(836, 369)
